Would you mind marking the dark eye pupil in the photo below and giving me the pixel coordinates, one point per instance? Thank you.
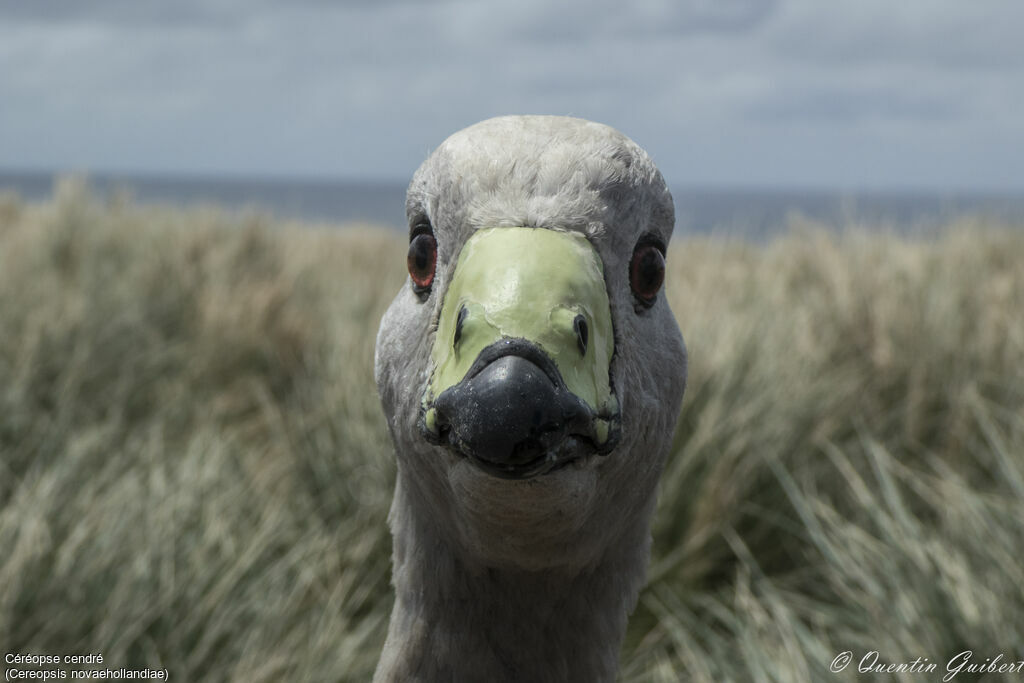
(421, 257)
(422, 260)
(648, 272)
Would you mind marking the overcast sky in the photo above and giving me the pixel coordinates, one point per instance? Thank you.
(785, 93)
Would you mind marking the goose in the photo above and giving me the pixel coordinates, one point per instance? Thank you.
(531, 373)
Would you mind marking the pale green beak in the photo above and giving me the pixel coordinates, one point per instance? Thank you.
(538, 285)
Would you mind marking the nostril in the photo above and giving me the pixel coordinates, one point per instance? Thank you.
(458, 325)
(579, 324)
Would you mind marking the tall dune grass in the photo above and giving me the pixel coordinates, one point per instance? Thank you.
(195, 472)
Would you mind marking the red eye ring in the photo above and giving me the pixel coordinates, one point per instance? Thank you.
(647, 272)
(422, 261)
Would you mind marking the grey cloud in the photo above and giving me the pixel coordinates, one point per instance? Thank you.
(698, 16)
(930, 33)
(539, 21)
(466, 23)
(115, 12)
(843, 106)
(198, 13)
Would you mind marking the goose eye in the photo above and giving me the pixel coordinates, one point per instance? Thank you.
(422, 261)
(646, 272)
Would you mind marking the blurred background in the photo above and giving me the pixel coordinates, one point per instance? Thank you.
(755, 110)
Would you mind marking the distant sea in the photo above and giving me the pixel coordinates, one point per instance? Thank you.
(751, 213)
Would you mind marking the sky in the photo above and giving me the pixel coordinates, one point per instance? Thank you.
(858, 94)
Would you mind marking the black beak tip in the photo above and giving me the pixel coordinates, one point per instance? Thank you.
(512, 414)
(508, 413)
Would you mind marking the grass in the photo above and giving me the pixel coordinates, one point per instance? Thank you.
(195, 472)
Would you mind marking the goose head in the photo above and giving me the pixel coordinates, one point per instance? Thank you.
(530, 367)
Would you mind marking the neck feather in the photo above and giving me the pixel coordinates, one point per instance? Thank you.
(455, 620)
